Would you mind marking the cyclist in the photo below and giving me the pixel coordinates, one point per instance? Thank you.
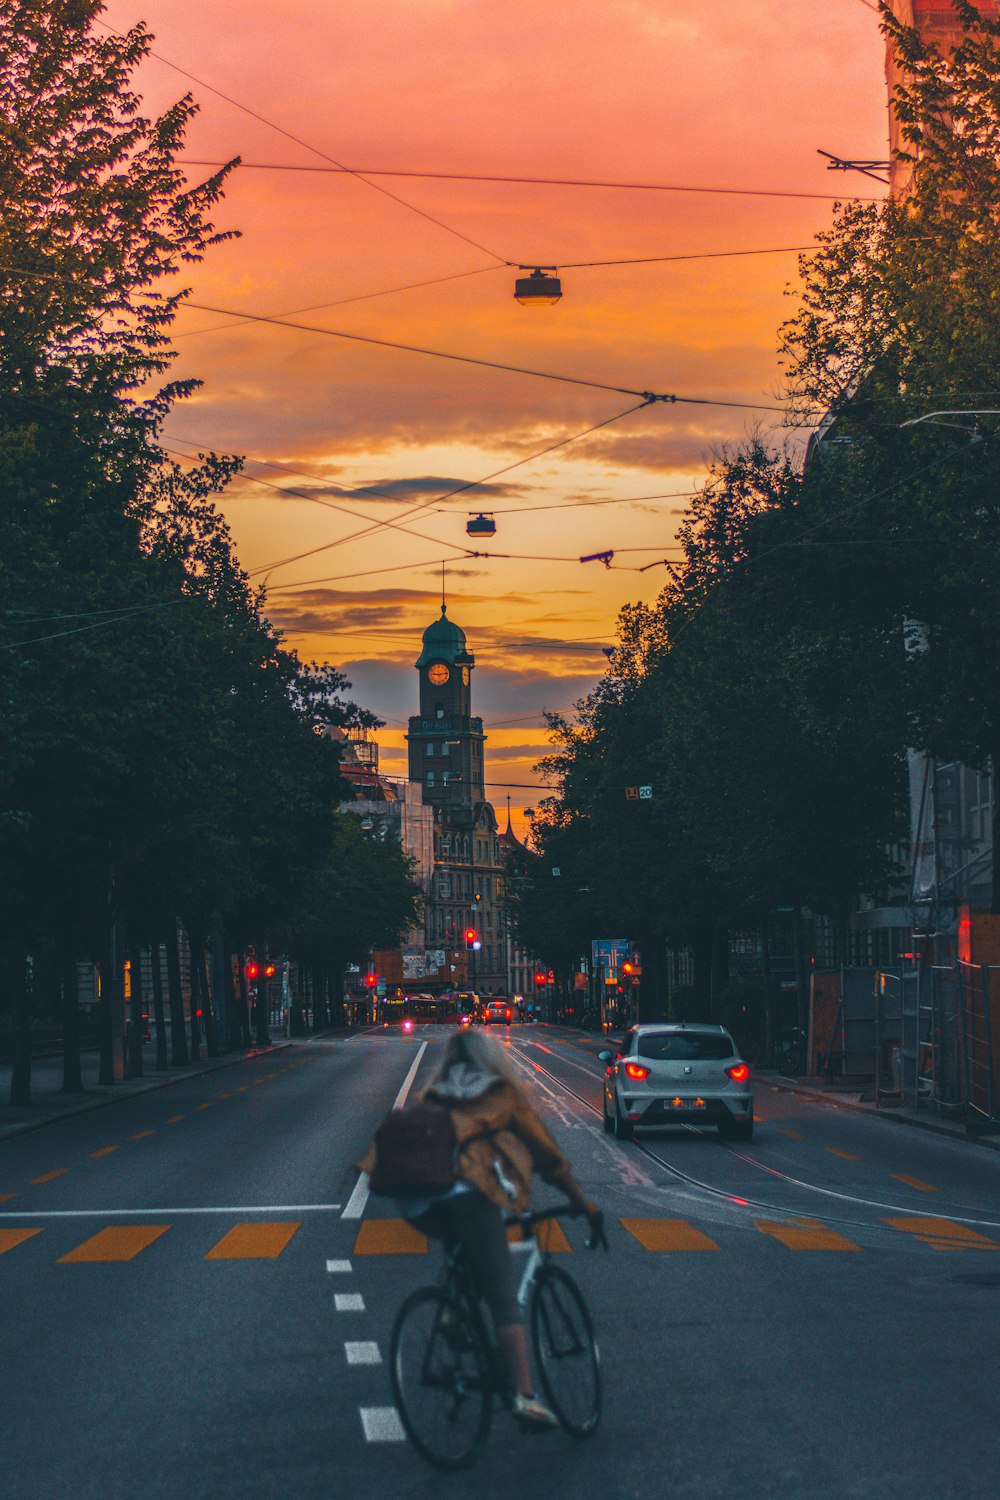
(501, 1143)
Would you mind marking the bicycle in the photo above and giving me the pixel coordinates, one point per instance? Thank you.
(445, 1366)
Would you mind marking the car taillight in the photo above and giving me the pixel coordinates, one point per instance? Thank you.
(636, 1070)
(738, 1072)
(509, 1015)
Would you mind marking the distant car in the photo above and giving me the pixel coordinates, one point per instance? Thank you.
(498, 1013)
(677, 1073)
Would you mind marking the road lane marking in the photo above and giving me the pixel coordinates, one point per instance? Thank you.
(795, 1135)
(253, 1242)
(365, 1353)
(104, 1151)
(805, 1234)
(9, 1238)
(128, 1213)
(226, 1095)
(339, 1267)
(358, 1200)
(914, 1182)
(141, 1135)
(389, 1237)
(173, 1120)
(668, 1234)
(348, 1302)
(207, 1105)
(943, 1234)
(844, 1155)
(48, 1176)
(120, 1242)
(6, 1197)
(382, 1425)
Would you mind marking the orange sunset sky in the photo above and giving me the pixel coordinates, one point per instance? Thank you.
(695, 93)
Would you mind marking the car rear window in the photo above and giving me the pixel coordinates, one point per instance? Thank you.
(685, 1046)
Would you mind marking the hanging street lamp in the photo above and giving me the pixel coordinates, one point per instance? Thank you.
(541, 289)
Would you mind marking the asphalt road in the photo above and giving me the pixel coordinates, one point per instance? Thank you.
(197, 1297)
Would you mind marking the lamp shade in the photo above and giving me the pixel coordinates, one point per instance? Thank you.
(540, 289)
(481, 526)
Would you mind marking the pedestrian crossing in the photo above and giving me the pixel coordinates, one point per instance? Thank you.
(268, 1240)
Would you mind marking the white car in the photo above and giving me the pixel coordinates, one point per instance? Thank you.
(677, 1073)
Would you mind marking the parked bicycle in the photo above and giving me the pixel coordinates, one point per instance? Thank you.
(447, 1370)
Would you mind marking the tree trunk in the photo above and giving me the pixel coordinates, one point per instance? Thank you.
(194, 1018)
(263, 1017)
(158, 1016)
(106, 1030)
(178, 1038)
(72, 1076)
(246, 1033)
(20, 1077)
(337, 1000)
(211, 1037)
(137, 1026)
(234, 1019)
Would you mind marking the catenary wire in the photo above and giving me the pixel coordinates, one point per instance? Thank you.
(324, 155)
(577, 182)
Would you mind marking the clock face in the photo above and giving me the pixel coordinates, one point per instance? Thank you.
(438, 673)
(465, 676)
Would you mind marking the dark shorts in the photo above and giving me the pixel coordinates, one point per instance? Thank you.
(473, 1221)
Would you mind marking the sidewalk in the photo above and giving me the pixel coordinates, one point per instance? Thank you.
(842, 1098)
(49, 1104)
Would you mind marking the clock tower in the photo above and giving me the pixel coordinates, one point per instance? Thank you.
(445, 740)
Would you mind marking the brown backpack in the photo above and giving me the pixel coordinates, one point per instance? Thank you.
(415, 1152)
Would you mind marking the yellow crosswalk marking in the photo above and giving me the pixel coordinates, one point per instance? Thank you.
(104, 1151)
(6, 1197)
(389, 1237)
(550, 1235)
(11, 1237)
(914, 1182)
(141, 1135)
(253, 1242)
(844, 1155)
(805, 1234)
(119, 1242)
(204, 1106)
(668, 1234)
(943, 1234)
(48, 1176)
(174, 1119)
(794, 1135)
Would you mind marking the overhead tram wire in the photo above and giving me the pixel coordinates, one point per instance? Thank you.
(574, 182)
(648, 397)
(459, 489)
(324, 155)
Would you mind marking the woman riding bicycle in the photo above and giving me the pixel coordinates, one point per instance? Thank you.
(501, 1143)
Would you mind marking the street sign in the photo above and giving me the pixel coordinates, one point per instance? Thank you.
(645, 793)
(380, 989)
(632, 794)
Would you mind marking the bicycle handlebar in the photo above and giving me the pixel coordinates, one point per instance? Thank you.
(534, 1216)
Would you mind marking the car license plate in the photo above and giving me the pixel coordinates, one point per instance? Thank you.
(678, 1103)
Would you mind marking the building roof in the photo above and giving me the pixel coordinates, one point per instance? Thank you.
(443, 641)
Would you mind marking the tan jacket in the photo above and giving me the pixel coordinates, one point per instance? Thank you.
(517, 1145)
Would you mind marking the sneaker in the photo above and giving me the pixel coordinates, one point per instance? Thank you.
(533, 1415)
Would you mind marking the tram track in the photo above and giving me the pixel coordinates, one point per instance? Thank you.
(756, 1203)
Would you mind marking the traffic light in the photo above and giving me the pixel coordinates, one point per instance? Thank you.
(269, 971)
(253, 968)
(470, 938)
(627, 967)
(371, 980)
(540, 978)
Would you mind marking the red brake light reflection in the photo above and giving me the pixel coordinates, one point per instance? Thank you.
(636, 1070)
(738, 1072)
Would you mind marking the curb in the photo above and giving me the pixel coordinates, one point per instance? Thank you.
(897, 1117)
(117, 1095)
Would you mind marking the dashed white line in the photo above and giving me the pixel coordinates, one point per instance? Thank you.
(338, 1267)
(358, 1201)
(382, 1424)
(364, 1353)
(349, 1302)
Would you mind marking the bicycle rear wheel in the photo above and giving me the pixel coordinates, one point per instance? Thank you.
(566, 1351)
(439, 1379)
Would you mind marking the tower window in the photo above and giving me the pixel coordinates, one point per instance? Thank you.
(430, 748)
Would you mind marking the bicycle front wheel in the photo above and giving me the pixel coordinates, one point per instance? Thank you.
(439, 1379)
(566, 1352)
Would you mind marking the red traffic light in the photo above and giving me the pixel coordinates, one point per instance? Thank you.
(540, 978)
(371, 980)
(253, 969)
(268, 971)
(470, 936)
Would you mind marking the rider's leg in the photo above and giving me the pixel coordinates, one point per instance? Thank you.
(513, 1341)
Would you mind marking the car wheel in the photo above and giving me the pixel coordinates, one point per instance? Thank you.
(609, 1123)
(624, 1129)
